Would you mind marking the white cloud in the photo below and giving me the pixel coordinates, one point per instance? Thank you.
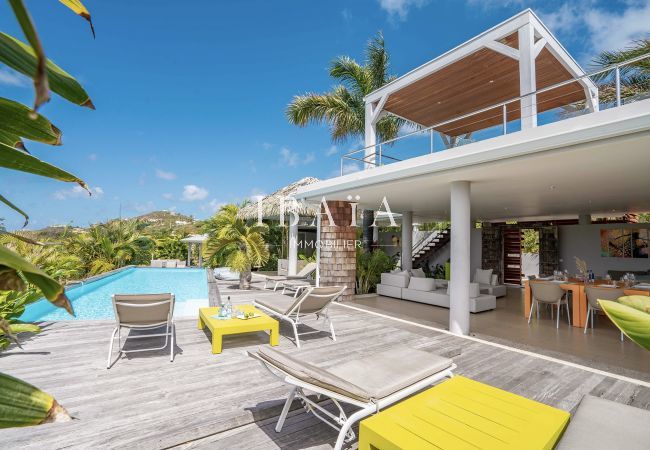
(168, 196)
(10, 77)
(165, 175)
(192, 192)
(309, 158)
(92, 157)
(142, 208)
(212, 206)
(350, 168)
(267, 145)
(613, 30)
(288, 157)
(331, 151)
(77, 191)
(346, 14)
(399, 8)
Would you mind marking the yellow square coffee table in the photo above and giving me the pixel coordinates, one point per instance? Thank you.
(220, 328)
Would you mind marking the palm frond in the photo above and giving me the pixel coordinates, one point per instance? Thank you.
(377, 61)
(355, 77)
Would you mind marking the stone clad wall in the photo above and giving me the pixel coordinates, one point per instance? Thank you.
(338, 263)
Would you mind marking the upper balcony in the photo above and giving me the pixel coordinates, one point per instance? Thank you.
(513, 77)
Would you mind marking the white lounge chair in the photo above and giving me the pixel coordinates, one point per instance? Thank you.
(157, 263)
(369, 383)
(313, 300)
(296, 286)
(142, 312)
(304, 274)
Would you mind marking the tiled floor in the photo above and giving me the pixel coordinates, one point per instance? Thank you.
(599, 348)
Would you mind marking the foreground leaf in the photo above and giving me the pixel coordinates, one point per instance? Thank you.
(17, 120)
(22, 58)
(10, 139)
(22, 404)
(15, 208)
(634, 323)
(12, 266)
(81, 10)
(10, 158)
(40, 76)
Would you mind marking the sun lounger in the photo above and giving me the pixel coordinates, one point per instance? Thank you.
(157, 263)
(313, 300)
(143, 312)
(304, 274)
(296, 285)
(369, 383)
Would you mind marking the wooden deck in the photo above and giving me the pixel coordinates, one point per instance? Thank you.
(229, 401)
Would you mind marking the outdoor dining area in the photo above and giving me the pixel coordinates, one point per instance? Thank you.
(577, 295)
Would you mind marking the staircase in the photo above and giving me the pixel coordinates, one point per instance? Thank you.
(429, 245)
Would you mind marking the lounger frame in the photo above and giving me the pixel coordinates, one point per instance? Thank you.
(342, 423)
(294, 315)
(169, 333)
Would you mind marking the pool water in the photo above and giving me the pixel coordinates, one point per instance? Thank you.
(92, 301)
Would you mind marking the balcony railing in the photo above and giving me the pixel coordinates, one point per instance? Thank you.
(612, 93)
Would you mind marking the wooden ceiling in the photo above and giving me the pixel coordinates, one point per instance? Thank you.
(478, 81)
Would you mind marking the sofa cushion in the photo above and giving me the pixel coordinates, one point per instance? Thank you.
(395, 279)
(422, 284)
(483, 276)
(418, 273)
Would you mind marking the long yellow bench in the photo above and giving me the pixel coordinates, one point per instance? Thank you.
(464, 414)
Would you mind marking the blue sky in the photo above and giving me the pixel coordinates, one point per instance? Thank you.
(190, 101)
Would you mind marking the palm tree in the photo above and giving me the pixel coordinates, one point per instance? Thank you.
(112, 245)
(236, 244)
(635, 77)
(343, 108)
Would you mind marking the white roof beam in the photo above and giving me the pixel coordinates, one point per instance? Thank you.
(503, 49)
(539, 46)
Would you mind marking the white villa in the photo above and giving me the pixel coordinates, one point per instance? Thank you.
(499, 141)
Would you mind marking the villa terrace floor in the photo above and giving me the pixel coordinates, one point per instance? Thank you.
(229, 401)
(600, 348)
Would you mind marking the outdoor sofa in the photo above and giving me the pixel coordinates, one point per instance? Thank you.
(430, 291)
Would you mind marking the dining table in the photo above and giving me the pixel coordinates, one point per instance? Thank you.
(576, 287)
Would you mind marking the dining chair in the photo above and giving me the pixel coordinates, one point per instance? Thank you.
(594, 294)
(549, 294)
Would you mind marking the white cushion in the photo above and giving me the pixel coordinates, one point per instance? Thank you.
(483, 276)
(495, 279)
(422, 284)
(419, 273)
(400, 280)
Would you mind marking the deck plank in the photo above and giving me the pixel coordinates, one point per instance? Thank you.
(228, 400)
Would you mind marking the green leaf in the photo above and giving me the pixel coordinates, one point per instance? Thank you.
(12, 266)
(15, 208)
(12, 140)
(640, 302)
(21, 57)
(40, 75)
(11, 158)
(81, 10)
(22, 404)
(17, 120)
(24, 328)
(634, 323)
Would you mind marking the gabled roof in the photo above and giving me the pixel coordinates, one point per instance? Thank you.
(480, 73)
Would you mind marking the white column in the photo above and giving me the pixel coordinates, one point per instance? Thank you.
(371, 138)
(200, 246)
(318, 222)
(460, 257)
(527, 78)
(293, 248)
(189, 254)
(375, 234)
(407, 240)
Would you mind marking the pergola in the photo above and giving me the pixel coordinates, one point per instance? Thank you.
(472, 87)
(281, 205)
(195, 240)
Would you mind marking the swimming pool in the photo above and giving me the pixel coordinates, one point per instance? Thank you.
(92, 300)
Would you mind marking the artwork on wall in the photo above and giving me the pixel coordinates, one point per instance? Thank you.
(625, 243)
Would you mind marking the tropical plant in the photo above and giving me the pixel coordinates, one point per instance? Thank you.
(631, 315)
(530, 240)
(233, 242)
(343, 108)
(112, 245)
(635, 77)
(19, 122)
(170, 247)
(370, 266)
